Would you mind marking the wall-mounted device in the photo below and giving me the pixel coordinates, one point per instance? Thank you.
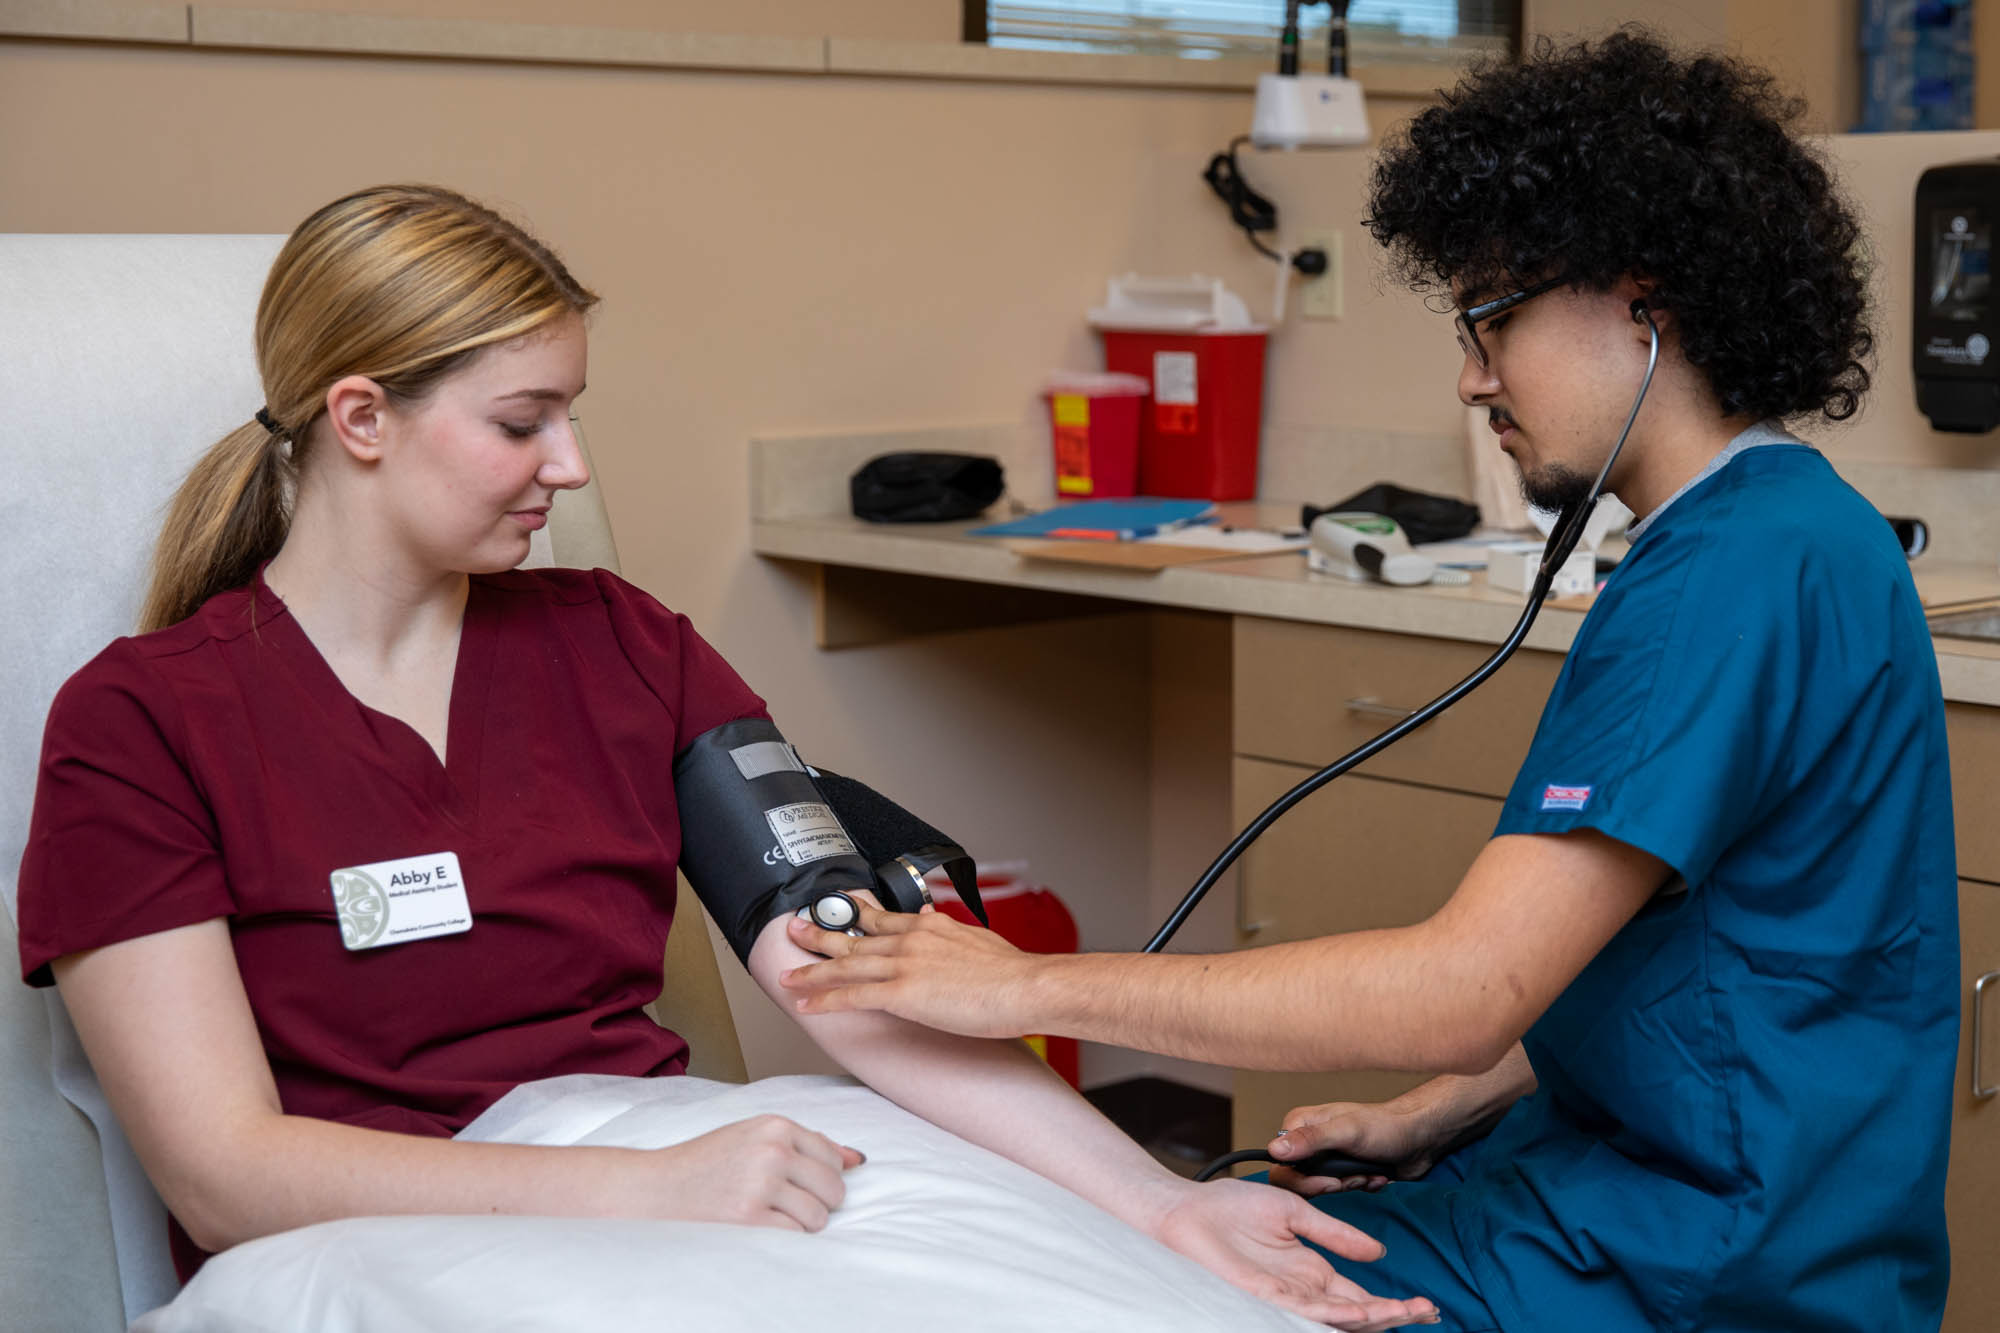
(1955, 333)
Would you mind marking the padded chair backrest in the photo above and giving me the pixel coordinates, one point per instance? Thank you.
(121, 359)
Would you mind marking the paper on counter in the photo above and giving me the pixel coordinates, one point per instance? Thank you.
(1236, 541)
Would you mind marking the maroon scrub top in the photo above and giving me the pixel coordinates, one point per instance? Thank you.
(218, 768)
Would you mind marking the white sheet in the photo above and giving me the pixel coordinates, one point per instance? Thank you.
(935, 1233)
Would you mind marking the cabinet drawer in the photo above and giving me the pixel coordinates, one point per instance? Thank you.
(1307, 694)
(1975, 772)
(1972, 1191)
(1358, 854)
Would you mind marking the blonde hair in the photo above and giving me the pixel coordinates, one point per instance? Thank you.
(402, 284)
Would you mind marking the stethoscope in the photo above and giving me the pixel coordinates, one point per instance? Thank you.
(1568, 531)
(836, 911)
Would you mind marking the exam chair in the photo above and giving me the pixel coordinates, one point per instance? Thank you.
(121, 359)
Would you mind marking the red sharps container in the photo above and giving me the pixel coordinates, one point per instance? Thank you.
(1094, 423)
(1027, 916)
(1191, 339)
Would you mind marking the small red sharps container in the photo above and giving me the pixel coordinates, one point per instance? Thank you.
(1027, 916)
(1191, 339)
(1094, 422)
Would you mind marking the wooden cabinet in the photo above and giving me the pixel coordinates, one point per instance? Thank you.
(1972, 1193)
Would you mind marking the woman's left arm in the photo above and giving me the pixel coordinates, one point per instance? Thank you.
(999, 1095)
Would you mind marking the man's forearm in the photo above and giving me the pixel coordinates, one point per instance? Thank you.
(1383, 999)
(1465, 1107)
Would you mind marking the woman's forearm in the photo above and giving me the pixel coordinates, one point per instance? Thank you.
(285, 1171)
(997, 1094)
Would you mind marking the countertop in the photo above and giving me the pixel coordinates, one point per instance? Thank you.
(1280, 586)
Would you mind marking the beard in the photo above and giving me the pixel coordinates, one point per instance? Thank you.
(1555, 487)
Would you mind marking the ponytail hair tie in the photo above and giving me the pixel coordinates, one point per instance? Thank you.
(269, 422)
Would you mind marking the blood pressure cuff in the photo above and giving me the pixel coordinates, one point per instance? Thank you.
(763, 835)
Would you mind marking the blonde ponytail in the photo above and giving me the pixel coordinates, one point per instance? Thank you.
(403, 284)
(229, 516)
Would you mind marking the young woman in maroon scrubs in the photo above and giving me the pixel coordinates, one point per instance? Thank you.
(369, 826)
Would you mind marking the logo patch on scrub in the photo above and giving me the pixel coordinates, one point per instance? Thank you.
(1565, 798)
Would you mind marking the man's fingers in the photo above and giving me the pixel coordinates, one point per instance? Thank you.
(838, 972)
(844, 999)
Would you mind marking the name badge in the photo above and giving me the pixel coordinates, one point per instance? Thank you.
(394, 902)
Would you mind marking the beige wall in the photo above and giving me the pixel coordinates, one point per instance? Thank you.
(1810, 44)
(901, 20)
(786, 253)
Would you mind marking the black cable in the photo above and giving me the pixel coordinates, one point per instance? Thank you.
(1368, 749)
(1247, 209)
(1313, 1164)
(1252, 211)
(1563, 537)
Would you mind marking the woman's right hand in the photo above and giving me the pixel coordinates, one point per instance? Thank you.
(763, 1172)
(1406, 1135)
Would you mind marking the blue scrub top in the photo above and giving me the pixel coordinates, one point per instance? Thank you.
(1745, 1099)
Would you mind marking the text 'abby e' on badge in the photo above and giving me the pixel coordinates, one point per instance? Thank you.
(394, 902)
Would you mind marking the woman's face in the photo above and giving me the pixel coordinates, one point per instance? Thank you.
(473, 468)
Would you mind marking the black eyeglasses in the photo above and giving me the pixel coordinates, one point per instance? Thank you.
(1468, 336)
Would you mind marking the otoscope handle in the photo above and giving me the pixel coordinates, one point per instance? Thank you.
(1325, 1163)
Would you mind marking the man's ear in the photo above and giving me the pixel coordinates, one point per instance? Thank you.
(355, 409)
(1637, 293)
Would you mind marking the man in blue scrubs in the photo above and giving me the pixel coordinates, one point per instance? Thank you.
(1698, 994)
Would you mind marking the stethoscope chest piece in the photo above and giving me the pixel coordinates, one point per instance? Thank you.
(835, 911)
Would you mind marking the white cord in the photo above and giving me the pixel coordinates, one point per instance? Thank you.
(1284, 281)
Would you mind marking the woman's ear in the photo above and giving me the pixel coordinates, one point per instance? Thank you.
(355, 410)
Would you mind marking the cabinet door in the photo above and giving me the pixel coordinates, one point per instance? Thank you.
(1972, 1194)
(1358, 854)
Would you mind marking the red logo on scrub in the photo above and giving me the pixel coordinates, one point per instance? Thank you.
(1565, 798)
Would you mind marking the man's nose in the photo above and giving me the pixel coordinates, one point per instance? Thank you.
(1476, 383)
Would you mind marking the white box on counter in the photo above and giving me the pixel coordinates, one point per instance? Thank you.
(1511, 566)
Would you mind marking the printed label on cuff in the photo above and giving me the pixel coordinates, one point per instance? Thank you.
(808, 832)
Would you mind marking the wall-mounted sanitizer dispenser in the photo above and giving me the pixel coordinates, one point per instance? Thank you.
(1955, 336)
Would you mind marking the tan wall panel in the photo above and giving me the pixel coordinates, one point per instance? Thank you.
(908, 20)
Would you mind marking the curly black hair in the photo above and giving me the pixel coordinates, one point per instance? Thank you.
(1619, 158)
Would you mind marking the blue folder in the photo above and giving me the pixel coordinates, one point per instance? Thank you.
(1119, 520)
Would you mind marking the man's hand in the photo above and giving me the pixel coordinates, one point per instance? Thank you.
(1410, 1134)
(1407, 1139)
(923, 966)
(1249, 1234)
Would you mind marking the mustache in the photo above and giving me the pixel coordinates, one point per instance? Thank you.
(1501, 416)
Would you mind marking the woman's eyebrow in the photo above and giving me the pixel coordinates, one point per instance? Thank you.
(543, 395)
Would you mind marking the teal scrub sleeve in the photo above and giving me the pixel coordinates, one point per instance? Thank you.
(1694, 699)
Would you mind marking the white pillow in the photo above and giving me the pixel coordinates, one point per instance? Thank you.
(934, 1233)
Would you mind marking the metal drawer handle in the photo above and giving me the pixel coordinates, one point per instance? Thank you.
(1980, 1088)
(1374, 707)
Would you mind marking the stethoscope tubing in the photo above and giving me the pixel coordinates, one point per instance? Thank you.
(1563, 538)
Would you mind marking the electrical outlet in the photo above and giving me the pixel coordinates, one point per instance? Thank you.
(1319, 298)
